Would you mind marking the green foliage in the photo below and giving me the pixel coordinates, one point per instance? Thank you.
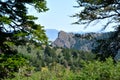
(91, 70)
(41, 57)
(40, 5)
(97, 70)
(10, 64)
(22, 28)
(18, 28)
(33, 54)
(64, 64)
(5, 20)
(58, 72)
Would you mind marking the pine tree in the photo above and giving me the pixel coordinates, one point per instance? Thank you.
(16, 26)
(95, 10)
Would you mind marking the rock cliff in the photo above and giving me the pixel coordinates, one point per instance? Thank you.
(84, 42)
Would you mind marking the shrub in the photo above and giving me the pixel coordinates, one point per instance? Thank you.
(10, 64)
(96, 70)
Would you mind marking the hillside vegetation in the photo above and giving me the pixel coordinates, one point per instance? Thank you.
(48, 63)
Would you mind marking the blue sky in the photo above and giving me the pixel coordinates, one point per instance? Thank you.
(58, 17)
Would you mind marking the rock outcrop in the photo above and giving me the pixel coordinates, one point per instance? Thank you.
(65, 40)
(84, 42)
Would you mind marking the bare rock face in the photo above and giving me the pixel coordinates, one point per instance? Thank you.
(64, 40)
(84, 42)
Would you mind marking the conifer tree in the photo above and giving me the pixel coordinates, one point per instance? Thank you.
(16, 26)
(96, 10)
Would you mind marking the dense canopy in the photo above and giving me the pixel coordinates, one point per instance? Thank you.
(16, 26)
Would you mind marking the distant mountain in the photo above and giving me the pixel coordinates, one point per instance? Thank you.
(86, 41)
(52, 34)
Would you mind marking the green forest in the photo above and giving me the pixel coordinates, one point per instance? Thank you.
(26, 53)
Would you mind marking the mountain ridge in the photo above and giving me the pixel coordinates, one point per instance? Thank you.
(78, 41)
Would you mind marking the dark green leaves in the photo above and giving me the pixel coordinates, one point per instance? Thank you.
(5, 20)
(31, 17)
(18, 28)
(14, 14)
(40, 6)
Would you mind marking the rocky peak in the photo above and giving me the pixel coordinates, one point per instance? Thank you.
(64, 35)
(64, 40)
(85, 41)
